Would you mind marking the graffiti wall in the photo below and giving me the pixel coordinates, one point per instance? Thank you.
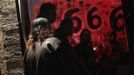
(101, 17)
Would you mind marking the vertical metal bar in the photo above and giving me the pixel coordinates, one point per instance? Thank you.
(23, 23)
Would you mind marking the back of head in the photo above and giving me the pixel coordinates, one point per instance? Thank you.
(85, 36)
(40, 30)
(65, 28)
(39, 22)
(48, 10)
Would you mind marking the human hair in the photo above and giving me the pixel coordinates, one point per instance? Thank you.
(48, 11)
(40, 31)
(45, 7)
(82, 35)
(65, 28)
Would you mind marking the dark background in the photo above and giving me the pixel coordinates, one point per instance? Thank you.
(129, 16)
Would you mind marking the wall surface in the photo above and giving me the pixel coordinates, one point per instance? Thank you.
(10, 52)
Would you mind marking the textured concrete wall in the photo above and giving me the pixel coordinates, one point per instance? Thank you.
(10, 53)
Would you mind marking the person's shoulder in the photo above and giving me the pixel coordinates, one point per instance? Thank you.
(51, 44)
(53, 40)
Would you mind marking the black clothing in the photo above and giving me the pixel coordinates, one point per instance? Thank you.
(43, 61)
(85, 52)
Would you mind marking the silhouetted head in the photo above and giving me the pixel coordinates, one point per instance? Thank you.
(65, 28)
(85, 36)
(48, 11)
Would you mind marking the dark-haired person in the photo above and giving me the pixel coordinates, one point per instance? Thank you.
(39, 59)
(48, 11)
(66, 51)
(85, 53)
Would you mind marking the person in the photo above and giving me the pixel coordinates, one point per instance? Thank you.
(41, 56)
(85, 53)
(48, 11)
(39, 59)
(48, 52)
(66, 51)
(119, 56)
